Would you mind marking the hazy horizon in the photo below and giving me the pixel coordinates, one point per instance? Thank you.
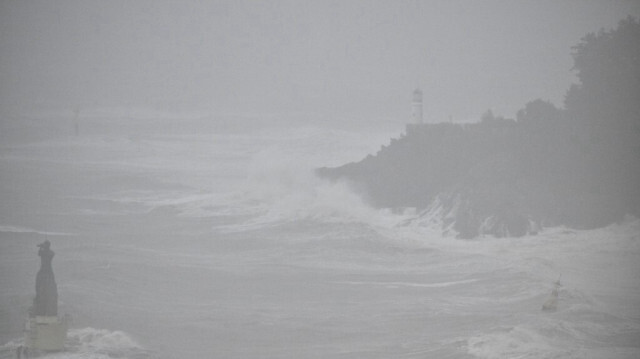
(238, 179)
(354, 58)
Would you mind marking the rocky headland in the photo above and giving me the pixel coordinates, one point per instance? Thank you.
(577, 166)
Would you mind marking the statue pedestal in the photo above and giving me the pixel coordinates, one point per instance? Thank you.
(46, 333)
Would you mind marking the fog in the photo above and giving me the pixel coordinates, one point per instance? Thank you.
(262, 179)
(355, 58)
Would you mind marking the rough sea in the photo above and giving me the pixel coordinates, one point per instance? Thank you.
(212, 238)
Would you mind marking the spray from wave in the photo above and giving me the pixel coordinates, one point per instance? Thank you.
(90, 343)
(283, 188)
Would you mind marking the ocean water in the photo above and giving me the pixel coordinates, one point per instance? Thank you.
(185, 238)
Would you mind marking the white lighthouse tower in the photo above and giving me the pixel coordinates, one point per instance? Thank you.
(416, 107)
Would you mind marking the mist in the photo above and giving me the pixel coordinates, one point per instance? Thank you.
(326, 179)
(354, 58)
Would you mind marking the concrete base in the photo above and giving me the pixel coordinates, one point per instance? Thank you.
(46, 333)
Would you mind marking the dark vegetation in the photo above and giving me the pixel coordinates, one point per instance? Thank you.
(578, 166)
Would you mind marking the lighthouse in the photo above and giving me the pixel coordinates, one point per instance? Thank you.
(416, 107)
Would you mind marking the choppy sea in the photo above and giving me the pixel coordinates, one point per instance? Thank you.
(202, 238)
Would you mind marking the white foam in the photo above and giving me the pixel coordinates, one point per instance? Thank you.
(517, 342)
(287, 189)
(91, 343)
(410, 284)
(19, 229)
(99, 343)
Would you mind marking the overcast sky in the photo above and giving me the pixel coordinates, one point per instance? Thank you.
(342, 58)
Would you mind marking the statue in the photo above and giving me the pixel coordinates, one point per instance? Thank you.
(46, 301)
(44, 330)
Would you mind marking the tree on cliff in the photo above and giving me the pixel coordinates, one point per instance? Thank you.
(608, 67)
(605, 111)
(538, 116)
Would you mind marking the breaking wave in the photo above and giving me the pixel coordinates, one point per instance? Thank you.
(282, 189)
(19, 229)
(90, 343)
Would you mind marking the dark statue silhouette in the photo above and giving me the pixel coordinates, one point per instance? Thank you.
(46, 301)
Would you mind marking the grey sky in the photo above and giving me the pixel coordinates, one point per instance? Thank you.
(351, 58)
